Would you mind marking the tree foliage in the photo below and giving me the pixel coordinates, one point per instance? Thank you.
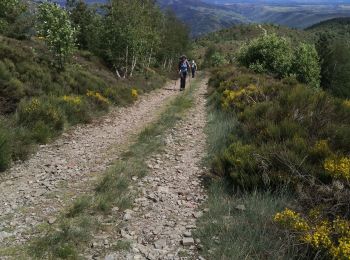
(334, 55)
(174, 38)
(58, 32)
(275, 55)
(305, 65)
(268, 53)
(88, 23)
(130, 34)
(13, 20)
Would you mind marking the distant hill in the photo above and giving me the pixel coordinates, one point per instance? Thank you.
(338, 26)
(203, 16)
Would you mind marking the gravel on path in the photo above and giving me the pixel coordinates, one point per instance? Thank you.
(31, 192)
(164, 214)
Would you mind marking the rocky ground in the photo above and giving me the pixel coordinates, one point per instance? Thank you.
(31, 192)
(163, 217)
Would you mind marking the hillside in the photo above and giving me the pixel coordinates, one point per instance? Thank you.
(338, 26)
(207, 16)
(202, 17)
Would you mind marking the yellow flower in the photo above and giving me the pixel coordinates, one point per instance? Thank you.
(338, 167)
(321, 145)
(342, 251)
(97, 97)
(134, 93)
(72, 100)
(319, 237)
(292, 220)
(346, 103)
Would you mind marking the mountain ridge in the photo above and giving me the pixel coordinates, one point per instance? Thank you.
(204, 16)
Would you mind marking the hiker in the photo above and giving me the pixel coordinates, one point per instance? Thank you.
(184, 67)
(193, 68)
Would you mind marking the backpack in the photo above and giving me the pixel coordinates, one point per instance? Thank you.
(184, 66)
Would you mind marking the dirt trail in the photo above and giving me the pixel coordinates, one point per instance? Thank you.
(32, 191)
(163, 217)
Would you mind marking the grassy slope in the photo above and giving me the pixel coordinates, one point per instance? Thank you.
(224, 231)
(265, 145)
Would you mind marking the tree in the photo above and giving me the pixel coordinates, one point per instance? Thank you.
(305, 65)
(213, 57)
(174, 39)
(268, 53)
(131, 34)
(88, 23)
(325, 52)
(334, 53)
(12, 20)
(56, 29)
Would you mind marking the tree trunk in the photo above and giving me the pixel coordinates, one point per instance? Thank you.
(126, 61)
(133, 65)
(149, 59)
(117, 72)
(170, 64)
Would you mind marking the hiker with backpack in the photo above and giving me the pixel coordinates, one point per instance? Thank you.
(184, 68)
(193, 68)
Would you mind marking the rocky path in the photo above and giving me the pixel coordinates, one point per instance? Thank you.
(163, 217)
(32, 191)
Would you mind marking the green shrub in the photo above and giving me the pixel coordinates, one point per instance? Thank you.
(5, 148)
(14, 88)
(239, 162)
(119, 95)
(214, 57)
(80, 81)
(295, 138)
(100, 102)
(268, 53)
(41, 132)
(36, 75)
(5, 73)
(76, 109)
(45, 110)
(305, 65)
(22, 142)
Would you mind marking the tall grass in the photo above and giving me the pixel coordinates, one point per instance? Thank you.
(229, 233)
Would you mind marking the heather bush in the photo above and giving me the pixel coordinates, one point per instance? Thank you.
(76, 109)
(119, 95)
(44, 109)
(41, 132)
(99, 101)
(289, 136)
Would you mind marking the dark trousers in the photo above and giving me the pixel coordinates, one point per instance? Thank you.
(193, 72)
(183, 80)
